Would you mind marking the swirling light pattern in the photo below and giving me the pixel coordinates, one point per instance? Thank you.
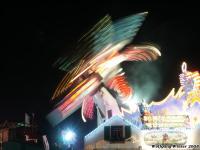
(96, 63)
(121, 86)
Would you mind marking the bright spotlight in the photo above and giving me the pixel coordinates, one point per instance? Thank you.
(68, 136)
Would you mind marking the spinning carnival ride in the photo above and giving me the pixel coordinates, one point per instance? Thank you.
(94, 71)
(94, 78)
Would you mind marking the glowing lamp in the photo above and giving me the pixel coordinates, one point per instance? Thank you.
(68, 136)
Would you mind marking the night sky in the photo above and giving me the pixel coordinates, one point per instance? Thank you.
(33, 37)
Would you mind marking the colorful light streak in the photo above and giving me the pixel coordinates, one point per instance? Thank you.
(102, 50)
(120, 85)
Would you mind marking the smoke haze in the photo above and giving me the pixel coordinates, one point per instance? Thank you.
(145, 78)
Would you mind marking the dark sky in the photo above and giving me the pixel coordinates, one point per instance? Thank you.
(33, 37)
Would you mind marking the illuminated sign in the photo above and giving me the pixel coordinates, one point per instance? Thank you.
(165, 137)
(166, 121)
